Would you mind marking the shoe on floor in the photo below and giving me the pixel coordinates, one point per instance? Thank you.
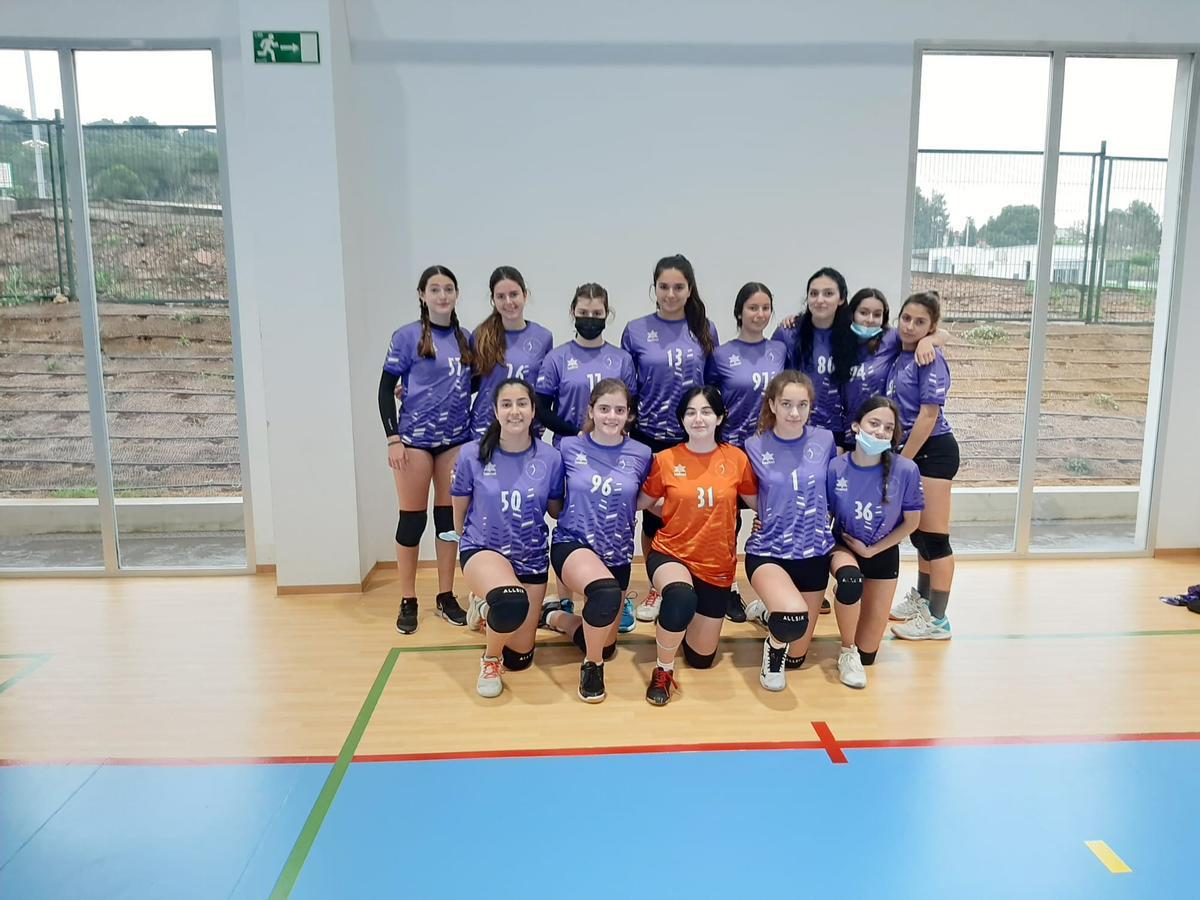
(489, 684)
(628, 622)
(448, 609)
(756, 612)
(476, 613)
(923, 627)
(662, 686)
(826, 609)
(406, 620)
(591, 682)
(907, 607)
(735, 611)
(850, 668)
(647, 610)
(772, 675)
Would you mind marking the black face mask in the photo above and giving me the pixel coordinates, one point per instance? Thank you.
(590, 327)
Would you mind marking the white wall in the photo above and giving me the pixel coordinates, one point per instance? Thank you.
(578, 142)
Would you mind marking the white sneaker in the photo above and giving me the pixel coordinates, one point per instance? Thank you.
(850, 668)
(908, 607)
(489, 684)
(647, 610)
(476, 613)
(756, 612)
(923, 627)
(772, 676)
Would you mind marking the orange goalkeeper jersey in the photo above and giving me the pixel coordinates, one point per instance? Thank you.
(700, 507)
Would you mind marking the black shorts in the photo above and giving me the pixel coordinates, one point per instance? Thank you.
(938, 458)
(881, 567)
(538, 578)
(560, 552)
(437, 451)
(808, 575)
(655, 445)
(711, 601)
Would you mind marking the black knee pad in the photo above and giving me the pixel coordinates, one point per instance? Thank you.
(794, 662)
(514, 661)
(937, 546)
(606, 654)
(867, 659)
(786, 627)
(410, 527)
(918, 541)
(698, 660)
(650, 524)
(603, 602)
(849, 585)
(443, 519)
(507, 608)
(678, 606)
(609, 652)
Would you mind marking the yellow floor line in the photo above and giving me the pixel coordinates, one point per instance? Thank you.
(1105, 854)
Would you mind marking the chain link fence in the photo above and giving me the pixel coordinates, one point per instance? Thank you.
(1108, 235)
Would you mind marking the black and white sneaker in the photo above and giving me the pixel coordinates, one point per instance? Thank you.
(406, 621)
(735, 611)
(662, 686)
(591, 682)
(448, 609)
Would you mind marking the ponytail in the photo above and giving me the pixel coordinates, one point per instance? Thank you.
(425, 345)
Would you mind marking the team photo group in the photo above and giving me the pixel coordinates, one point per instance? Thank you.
(830, 431)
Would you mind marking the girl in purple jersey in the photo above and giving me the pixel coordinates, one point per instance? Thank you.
(592, 547)
(670, 349)
(823, 347)
(875, 499)
(788, 553)
(428, 368)
(506, 344)
(742, 368)
(503, 487)
(920, 393)
(878, 347)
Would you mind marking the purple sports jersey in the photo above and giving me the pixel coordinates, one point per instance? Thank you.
(436, 400)
(569, 372)
(742, 371)
(828, 410)
(509, 496)
(792, 507)
(856, 497)
(602, 492)
(668, 361)
(913, 386)
(870, 376)
(524, 351)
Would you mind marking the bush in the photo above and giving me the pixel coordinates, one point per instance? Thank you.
(986, 334)
(118, 182)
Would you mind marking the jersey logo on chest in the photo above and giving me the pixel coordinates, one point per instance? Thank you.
(572, 364)
(651, 337)
(768, 458)
(681, 471)
(734, 360)
(842, 486)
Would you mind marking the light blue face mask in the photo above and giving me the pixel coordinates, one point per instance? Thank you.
(871, 445)
(866, 331)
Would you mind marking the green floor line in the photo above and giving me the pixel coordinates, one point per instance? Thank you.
(37, 660)
(312, 825)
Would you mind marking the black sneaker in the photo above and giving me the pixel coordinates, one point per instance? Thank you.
(735, 612)
(825, 607)
(591, 682)
(448, 609)
(662, 685)
(406, 621)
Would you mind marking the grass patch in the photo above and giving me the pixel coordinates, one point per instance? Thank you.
(1077, 465)
(75, 494)
(986, 335)
(1105, 401)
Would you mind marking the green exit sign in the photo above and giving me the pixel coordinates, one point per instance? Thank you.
(286, 47)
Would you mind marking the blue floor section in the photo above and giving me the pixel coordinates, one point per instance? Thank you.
(983, 822)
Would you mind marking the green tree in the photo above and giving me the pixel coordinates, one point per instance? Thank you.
(10, 113)
(118, 182)
(1137, 227)
(1011, 227)
(931, 220)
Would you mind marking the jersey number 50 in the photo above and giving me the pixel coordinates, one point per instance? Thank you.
(510, 501)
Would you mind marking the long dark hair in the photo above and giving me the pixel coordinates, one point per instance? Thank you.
(693, 309)
(856, 301)
(425, 347)
(491, 438)
(880, 402)
(489, 336)
(766, 415)
(712, 394)
(845, 344)
(749, 289)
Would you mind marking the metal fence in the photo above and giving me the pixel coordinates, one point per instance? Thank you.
(1108, 234)
(154, 211)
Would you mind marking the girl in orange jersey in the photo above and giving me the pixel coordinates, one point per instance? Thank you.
(692, 559)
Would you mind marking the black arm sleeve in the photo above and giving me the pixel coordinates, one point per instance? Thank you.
(387, 401)
(552, 420)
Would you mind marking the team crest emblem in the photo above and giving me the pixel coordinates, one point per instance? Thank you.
(572, 364)
(734, 360)
(681, 471)
(651, 337)
(489, 469)
(842, 486)
(771, 355)
(768, 459)
(537, 470)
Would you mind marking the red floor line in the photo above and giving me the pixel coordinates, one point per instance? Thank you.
(830, 744)
(715, 747)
